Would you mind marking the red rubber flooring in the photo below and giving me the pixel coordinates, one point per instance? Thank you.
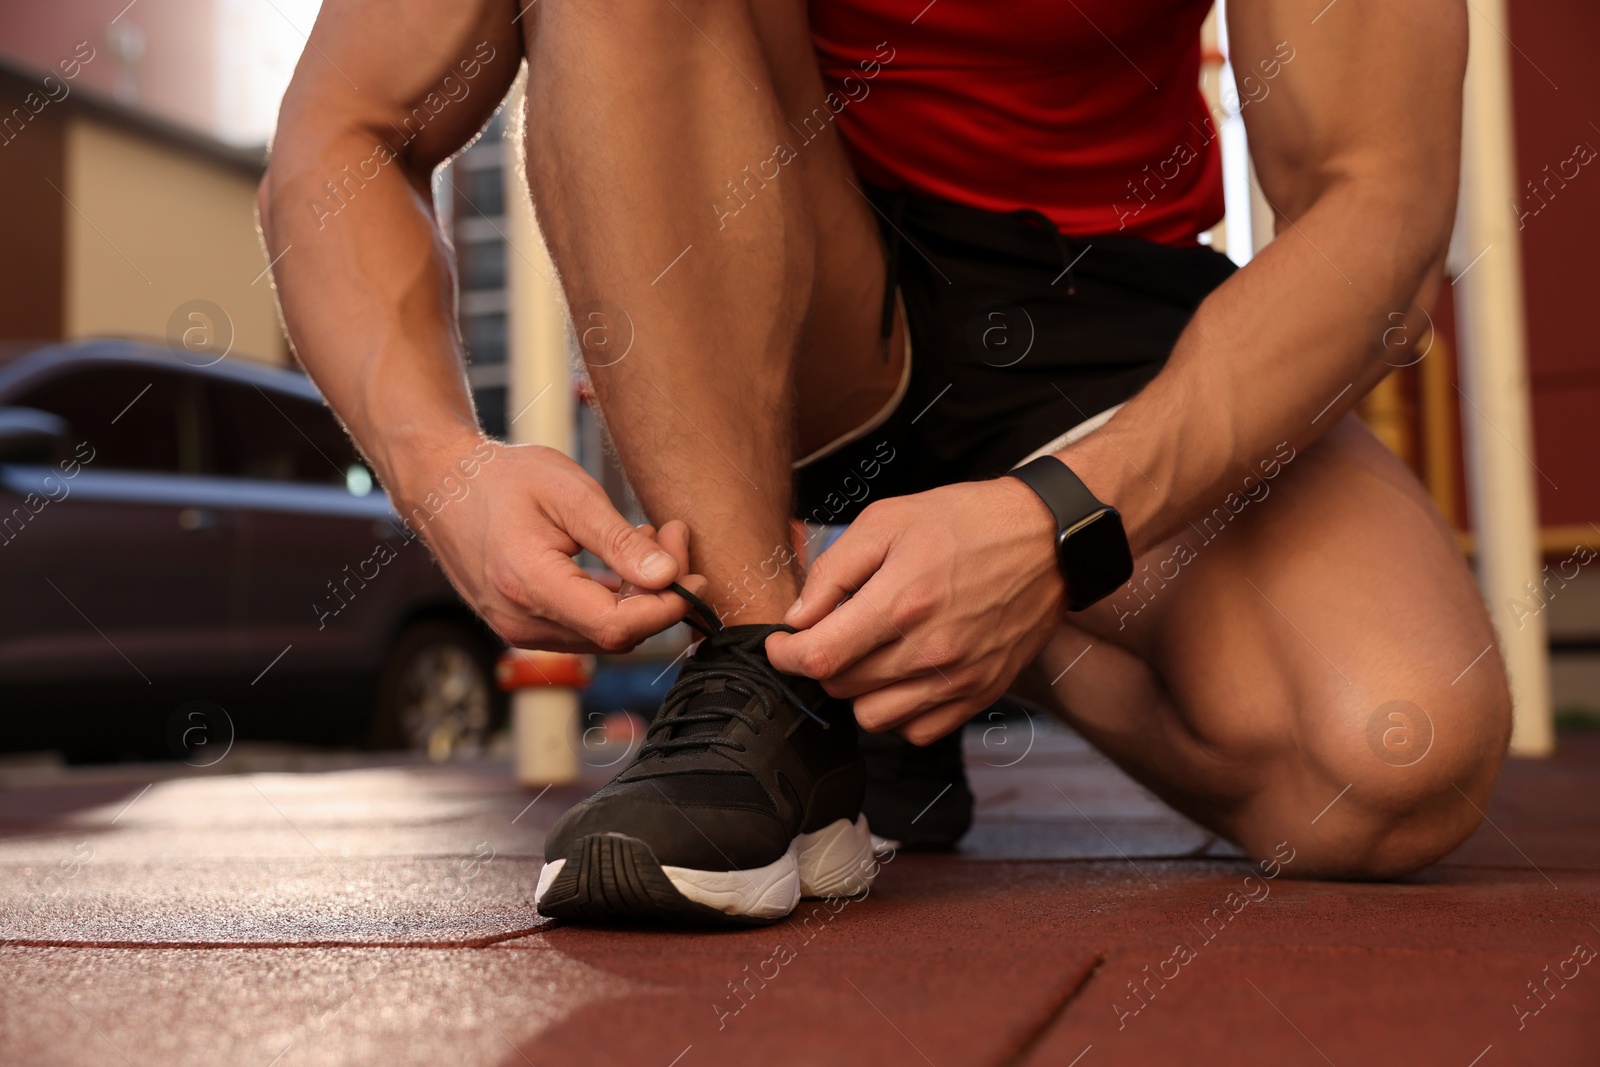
(382, 916)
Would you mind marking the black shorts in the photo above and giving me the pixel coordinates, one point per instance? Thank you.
(1017, 335)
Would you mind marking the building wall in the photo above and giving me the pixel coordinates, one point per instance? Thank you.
(152, 229)
(159, 55)
(1555, 83)
(33, 218)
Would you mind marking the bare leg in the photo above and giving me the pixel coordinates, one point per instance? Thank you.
(1302, 677)
(638, 117)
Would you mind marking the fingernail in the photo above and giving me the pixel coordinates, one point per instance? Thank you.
(656, 565)
(794, 609)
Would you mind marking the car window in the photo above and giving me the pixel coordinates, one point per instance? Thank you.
(271, 436)
(135, 418)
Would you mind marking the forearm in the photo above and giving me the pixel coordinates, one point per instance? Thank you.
(368, 296)
(1276, 354)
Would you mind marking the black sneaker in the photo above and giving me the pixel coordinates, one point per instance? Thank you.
(917, 798)
(745, 797)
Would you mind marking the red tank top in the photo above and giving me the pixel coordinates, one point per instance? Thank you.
(1086, 110)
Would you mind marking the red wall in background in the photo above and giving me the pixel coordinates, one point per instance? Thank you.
(176, 77)
(1555, 67)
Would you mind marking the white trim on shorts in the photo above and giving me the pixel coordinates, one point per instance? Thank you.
(1077, 433)
(883, 413)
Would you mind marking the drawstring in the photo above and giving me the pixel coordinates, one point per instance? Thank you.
(1063, 249)
(897, 210)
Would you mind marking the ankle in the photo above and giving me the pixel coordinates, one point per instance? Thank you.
(754, 600)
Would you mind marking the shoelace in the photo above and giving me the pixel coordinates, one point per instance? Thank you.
(746, 673)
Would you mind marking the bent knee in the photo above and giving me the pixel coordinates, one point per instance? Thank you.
(1375, 848)
(1401, 794)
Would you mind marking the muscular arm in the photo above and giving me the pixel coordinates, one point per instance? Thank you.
(366, 278)
(384, 93)
(1356, 146)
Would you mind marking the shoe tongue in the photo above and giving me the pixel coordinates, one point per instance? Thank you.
(714, 694)
(714, 698)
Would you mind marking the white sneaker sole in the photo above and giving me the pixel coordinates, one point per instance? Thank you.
(836, 861)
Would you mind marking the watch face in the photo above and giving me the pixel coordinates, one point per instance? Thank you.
(1095, 558)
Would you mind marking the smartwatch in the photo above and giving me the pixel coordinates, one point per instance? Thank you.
(1091, 546)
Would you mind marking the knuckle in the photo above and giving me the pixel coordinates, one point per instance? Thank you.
(816, 662)
(914, 605)
(613, 637)
(943, 653)
(821, 570)
(506, 583)
(617, 540)
(876, 512)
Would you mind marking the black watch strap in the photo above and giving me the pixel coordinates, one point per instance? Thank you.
(1062, 491)
(1091, 546)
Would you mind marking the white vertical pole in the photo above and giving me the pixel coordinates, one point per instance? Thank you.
(539, 411)
(1495, 412)
(540, 398)
(1238, 198)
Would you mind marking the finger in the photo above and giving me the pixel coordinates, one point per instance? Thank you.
(838, 572)
(539, 634)
(897, 704)
(624, 587)
(589, 519)
(894, 661)
(612, 623)
(841, 639)
(674, 539)
(928, 727)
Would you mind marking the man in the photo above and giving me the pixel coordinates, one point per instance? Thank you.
(880, 255)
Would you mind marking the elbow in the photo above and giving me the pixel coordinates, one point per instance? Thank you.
(264, 207)
(1430, 210)
(1422, 189)
(276, 180)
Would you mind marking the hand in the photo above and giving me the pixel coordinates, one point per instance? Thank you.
(954, 591)
(506, 520)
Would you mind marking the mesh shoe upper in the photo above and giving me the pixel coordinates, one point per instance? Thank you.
(738, 761)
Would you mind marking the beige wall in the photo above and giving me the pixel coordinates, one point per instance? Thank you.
(151, 228)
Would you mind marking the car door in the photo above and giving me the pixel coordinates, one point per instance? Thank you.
(121, 570)
(316, 532)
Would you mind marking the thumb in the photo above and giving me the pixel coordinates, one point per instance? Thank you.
(838, 573)
(634, 555)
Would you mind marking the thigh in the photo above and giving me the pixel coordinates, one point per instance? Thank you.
(843, 372)
(1318, 640)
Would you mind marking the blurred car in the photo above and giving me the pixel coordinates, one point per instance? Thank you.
(179, 528)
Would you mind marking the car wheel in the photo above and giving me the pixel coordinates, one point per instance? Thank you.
(437, 692)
